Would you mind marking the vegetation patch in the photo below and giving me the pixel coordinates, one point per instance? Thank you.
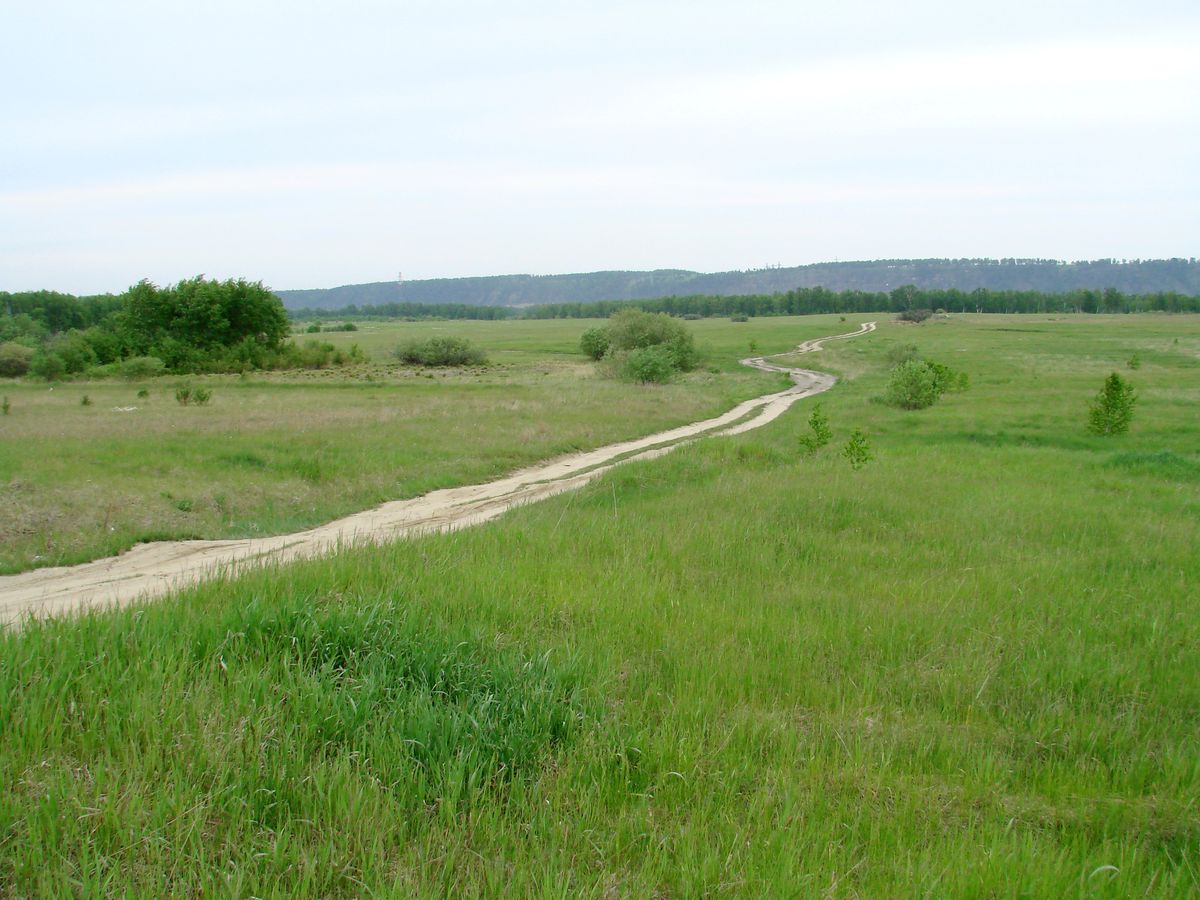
(642, 347)
(1161, 463)
(143, 744)
(440, 351)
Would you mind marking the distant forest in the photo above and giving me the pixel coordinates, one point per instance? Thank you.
(1180, 276)
(798, 302)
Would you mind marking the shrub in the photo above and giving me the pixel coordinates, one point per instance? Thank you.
(595, 342)
(913, 385)
(5, 407)
(441, 351)
(915, 315)
(902, 353)
(139, 368)
(186, 394)
(857, 450)
(739, 318)
(647, 365)
(85, 400)
(314, 328)
(946, 379)
(15, 360)
(1112, 410)
(633, 329)
(917, 383)
(820, 432)
(143, 394)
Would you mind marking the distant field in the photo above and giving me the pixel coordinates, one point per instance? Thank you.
(970, 669)
(279, 452)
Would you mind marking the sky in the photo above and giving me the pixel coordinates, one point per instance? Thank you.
(313, 144)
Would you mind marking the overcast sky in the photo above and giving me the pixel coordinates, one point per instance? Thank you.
(315, 144)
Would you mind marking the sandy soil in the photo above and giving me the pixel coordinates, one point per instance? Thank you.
(151, 570)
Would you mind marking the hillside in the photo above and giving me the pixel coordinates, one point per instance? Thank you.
(1131, 277)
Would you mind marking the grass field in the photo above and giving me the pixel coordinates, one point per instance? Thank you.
(970, 669)
(277, 453)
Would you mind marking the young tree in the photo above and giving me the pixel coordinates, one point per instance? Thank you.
(821, 433)
(1112, 410)
(858, 450)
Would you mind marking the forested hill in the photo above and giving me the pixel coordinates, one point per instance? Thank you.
(1044, 275)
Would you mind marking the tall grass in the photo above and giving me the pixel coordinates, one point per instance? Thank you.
(969, 669)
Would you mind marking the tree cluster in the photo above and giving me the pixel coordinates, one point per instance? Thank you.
(644, 347)
(197, 325)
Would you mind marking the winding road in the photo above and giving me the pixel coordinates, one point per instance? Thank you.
(151, 570)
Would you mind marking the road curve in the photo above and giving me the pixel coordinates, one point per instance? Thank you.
(151, 570)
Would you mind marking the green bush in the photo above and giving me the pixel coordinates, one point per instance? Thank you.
(595, 342)
(15, 360)
(917, 384)
(633, 329)
(820, 433)
(858, 450)
(1112, 410)
(647, 365)
(140, 368)
(913, 385)
(440, 351)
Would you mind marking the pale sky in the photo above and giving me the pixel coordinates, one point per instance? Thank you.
(317, 144)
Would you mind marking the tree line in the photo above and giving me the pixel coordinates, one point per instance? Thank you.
(796, 302)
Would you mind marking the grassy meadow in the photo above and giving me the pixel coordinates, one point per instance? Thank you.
(971, 668)
(277, 453)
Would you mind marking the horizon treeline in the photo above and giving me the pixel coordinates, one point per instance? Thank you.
(797, 302)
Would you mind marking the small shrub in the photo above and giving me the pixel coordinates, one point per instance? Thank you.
(692, 317)
(946, 379)
(917, 384)
(441, 351)
(902, 353)
(648, 365)
(183, 394)
(595, 342)
(820, 432)
(15, 360)
(913, 385)
(915, 315)
(857, 450)
(85, 400)
(314, 328)
(201, 396)
(5, 407)
(1112, 410)
(739, 318)
(1134, 362)
(139, 368)
(143, 394)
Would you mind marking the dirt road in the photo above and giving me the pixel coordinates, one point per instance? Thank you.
(151, 570)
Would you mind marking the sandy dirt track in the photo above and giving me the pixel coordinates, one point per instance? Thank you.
(151, 570)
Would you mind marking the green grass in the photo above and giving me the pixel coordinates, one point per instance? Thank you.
(969, 669)
(279, 453)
